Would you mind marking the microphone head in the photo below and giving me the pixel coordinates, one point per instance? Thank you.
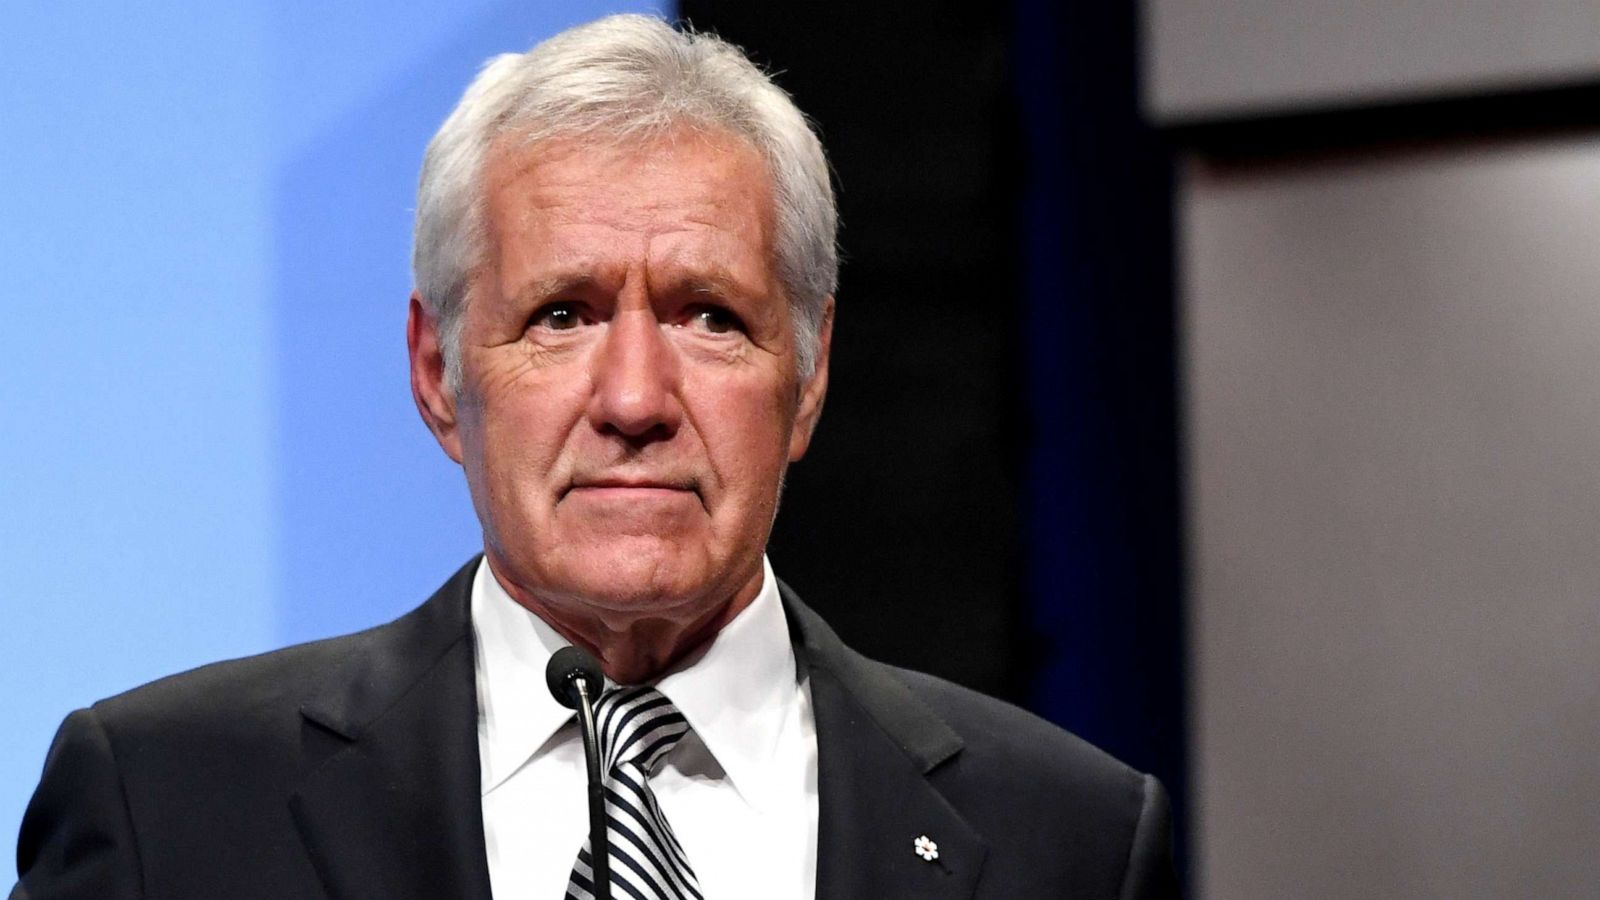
(567, 666)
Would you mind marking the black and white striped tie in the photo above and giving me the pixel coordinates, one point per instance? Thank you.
(638, 726)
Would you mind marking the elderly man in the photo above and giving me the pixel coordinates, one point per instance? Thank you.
(625, 270)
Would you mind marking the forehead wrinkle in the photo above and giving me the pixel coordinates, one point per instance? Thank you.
(566, 269)
(680, 267)
(570, 194)
(686, 237)
(708, 244)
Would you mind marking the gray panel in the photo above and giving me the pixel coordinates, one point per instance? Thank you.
(1206, 58)
(1393, 404)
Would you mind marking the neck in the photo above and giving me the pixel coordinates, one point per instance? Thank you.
(637, 647)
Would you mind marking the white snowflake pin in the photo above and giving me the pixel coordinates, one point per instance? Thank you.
(926, 848)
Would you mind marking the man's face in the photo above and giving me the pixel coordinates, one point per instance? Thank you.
(629, 396)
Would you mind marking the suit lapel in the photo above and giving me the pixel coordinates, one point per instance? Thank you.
(389, 805)
(877, 746)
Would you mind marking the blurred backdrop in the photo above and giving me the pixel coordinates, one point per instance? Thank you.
(1213, 377)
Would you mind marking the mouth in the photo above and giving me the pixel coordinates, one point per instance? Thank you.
(629, 486)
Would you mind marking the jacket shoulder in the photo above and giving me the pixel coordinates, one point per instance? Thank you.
(203, 765)
(1002, 742)
(270, 689)
(983, 753)
(1038, 792)
(236, 690)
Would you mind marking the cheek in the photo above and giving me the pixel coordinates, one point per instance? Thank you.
(525, 425)
(747, 437)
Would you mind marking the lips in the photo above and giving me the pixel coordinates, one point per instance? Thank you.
(642, 485)
(633, 483)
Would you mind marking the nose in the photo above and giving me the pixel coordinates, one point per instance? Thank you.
(636, 379)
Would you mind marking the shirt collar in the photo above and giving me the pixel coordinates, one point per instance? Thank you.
(737, 691)
(516, 714)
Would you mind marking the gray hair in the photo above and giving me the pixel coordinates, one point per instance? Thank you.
(624, 77)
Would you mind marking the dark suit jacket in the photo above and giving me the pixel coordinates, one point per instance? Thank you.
(349, 768)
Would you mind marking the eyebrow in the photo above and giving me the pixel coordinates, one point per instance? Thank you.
(549, 286)
(718, 282)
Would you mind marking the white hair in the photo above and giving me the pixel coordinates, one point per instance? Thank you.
(623, 77)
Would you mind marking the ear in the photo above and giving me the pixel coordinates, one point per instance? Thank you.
(813, 390)
(434, 399)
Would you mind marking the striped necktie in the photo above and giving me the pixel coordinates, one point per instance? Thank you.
(638, 726)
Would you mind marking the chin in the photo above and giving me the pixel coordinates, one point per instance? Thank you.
(635, 574)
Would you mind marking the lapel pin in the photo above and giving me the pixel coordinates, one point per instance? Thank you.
(926, 848)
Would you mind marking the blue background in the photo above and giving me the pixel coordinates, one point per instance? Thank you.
(209, 446)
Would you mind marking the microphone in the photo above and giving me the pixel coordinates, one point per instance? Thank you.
(569, 669)
(575, 680)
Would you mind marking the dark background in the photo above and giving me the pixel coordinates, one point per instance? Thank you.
(993, 494)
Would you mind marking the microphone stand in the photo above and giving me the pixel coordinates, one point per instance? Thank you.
(572, 675)
(599, 844)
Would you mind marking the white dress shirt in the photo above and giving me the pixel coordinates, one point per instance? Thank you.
(740, 790)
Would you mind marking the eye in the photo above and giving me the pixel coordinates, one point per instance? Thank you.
(559, 316)
(715, 319)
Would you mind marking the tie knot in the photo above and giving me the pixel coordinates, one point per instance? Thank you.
(637, 725)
